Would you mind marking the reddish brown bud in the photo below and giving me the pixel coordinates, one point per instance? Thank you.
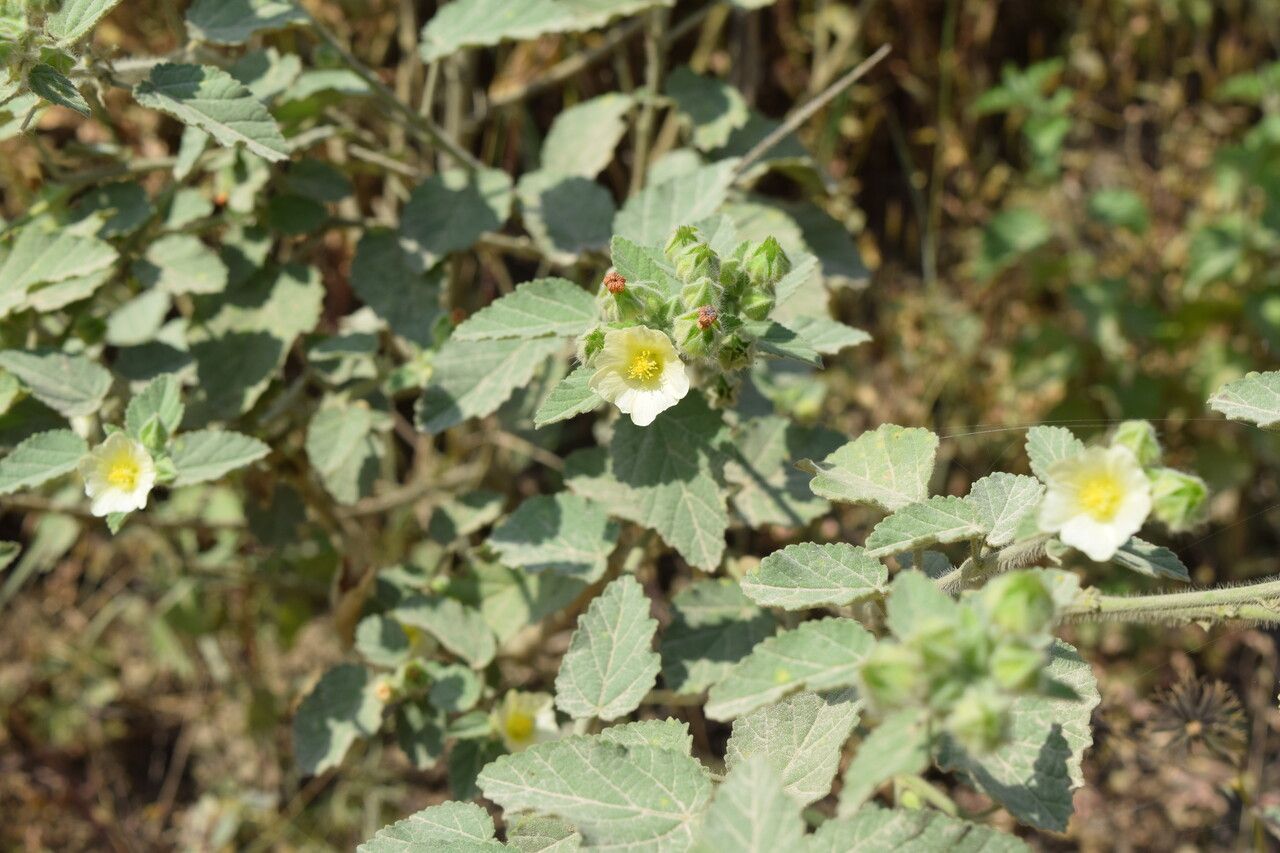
(615, 283)
(707, 316)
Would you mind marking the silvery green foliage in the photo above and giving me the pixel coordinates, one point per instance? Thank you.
(200, 322)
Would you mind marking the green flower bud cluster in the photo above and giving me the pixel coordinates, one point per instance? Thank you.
(1177, 498)
(966, 662)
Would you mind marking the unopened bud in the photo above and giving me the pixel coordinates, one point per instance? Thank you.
(1140, 437)
(979, 720)
(692, 339)
(735, 353)
(384, 691)
(702, 292)
(1019, 603)
(768, 264)
(684, 237)
(698, 262)
(1177, 499)
(1016, 666)
(590, 344)
(758, 305)
(893, 675)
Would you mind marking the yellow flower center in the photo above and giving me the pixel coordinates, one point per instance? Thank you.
(1100, 496)
(123, 473)
(519, 726)
(645, 365)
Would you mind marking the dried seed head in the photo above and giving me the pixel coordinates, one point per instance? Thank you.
(615, 283)
(707, 316)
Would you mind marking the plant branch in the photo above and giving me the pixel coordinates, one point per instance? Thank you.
(803, 113)
(1257, 602)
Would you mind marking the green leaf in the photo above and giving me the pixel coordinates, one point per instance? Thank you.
(41, 257)
(460, 629)
(538, 834)
(384, 277)
(751, 813)
(236, 21)
(610, 664)
(776, 339)
(472, 379)
(1254, 398)
(825, 335)
(381, 641)
(810, 575)
(1008, 236)
(582, 139)
(208, 454)
(713, 626)
(889, 467)
(1047, 444)
(937, 521)
(649, 216)
(572, 396)
(539, 308)
(161, 399)
(770, 489)
(663, 476)
(557, 533)
(71, 385)
(879, 830)
(664, 734)
(212, 100)
(464, 515)
(75, 18)
(565, 214)
(464, 827)
(1001, 502)
(124, 207)
(819, 655)
(448, 212)
(801, 737)
(40, 458)
(180, 263)
(632, 799)
(899, 746)
(712, 107)
(54, 86)
(1154, 561)
(643, 265)
(338, 711)
(345, 451)
(484, 23)
(1121, 208)
(510, 600)
(1034, 772)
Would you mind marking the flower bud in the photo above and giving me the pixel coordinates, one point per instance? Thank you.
(979, 720)
(1019, 603)
(697, 262)
(1016, 666)
(1140, 437)
(733, 278)
(1177, 498)
(758, 304)
(893, 675)
(767, 264)
(692, 338)
(702, 292)
(684, 237)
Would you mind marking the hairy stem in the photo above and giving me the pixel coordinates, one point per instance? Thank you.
(1256, 602)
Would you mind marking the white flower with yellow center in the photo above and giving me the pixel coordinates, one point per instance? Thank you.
(523, 719)
(118, 475)
(1096, 500)
(639, 371)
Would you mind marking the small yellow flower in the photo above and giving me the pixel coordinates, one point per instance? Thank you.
(1096, 500)
(639, 371)
(118, 475)
(523, 719)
